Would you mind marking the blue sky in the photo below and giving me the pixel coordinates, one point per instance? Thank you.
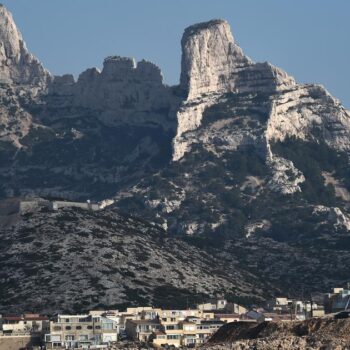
(307, 38)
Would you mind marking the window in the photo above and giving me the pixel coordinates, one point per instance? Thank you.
(173, 336)
(69, 337)
(89, 327)
(67, 320)
(97, 327)
(68, 328)
(170, 327)
(78, 327)
(56, 345)
(57, 328)
(108, 326)
(83, 337)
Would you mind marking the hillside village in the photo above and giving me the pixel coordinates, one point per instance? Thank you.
(155, 327)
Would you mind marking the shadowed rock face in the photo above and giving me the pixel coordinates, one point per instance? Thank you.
(105, 128)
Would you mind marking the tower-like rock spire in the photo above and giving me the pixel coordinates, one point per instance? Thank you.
(213, 65)
(209, 56)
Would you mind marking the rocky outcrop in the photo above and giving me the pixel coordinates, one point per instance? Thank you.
(232, 99)
(286, 178)
(213, 65)
(333, 215)
(213, 62)
(309, 112)
(312, 334)
(123, 92)
(17, 64)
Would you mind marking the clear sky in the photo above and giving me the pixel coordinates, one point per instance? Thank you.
(310, 39)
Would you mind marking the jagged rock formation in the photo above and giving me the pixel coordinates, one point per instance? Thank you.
(214, 65)
(17, 65)
(22, 79)
(81, 139)
(215, 70)
(123, 92)
(239, 160)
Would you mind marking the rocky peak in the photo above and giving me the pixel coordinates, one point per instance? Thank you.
(209, 54)
(17, 65)
(116, 67)
(119, 68)
(212, 66)
(212, 62)
(124, 91)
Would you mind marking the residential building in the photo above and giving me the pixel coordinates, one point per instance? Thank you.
(338, 300)
(213, 304)
(235, 308)
(205, 329)
(27, 323)
(141, 329)
(73, 331)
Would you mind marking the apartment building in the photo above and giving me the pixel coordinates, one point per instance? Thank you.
(189, 332)
(74, 331)
(142, 329)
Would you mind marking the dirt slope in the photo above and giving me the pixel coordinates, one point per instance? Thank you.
(310, 334)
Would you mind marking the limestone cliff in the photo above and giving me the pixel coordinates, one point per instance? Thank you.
(214, 65)
(123, 92)
(215, 72)
(17, 64)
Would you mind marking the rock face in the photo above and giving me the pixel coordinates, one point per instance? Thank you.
(17, 65)
(214, 65)
(123, 92)
(212, 62)
(239, 160)
(89, 133)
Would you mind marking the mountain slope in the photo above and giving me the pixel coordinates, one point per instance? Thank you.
(74, 259)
